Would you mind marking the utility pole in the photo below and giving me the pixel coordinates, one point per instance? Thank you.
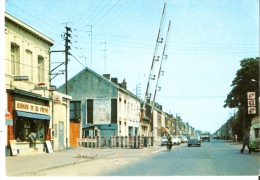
(67, 53)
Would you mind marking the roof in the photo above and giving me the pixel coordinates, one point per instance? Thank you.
(103, 78)
(28, 28)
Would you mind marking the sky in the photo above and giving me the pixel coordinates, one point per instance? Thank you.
(206, 41)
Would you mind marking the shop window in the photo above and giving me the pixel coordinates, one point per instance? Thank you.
(25, 128)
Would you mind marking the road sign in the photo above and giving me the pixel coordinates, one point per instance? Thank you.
(250, 95)
(251, 110)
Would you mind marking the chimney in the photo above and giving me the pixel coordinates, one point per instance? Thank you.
(107, 76)
(123, 84)
(114, 80)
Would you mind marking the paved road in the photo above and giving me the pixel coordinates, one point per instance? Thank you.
(215, 158)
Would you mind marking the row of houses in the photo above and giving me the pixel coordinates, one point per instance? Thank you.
(94, 105)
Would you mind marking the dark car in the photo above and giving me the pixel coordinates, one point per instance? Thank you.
(194, 140)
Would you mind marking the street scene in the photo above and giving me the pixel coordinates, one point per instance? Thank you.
(130, 88)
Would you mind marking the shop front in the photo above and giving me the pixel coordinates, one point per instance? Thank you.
(31, 127)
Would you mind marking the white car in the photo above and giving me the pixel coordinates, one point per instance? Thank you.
(183, 139)
(176, 140)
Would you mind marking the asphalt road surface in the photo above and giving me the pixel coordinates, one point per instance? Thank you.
(214, 158)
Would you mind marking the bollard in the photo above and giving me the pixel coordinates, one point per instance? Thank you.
(135, 141)
(127, 141)
(111, 142)
(122, 142)
(139, 141)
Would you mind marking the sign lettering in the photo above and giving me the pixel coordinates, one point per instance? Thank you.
(86, 140)
(34, 108)
(21, 78)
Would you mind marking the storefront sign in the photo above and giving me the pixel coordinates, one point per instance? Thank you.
(52, 88)
(86, 140)
(21, 78)
(49, 147)
(13, 147)
(57, 98)
(41, 86)
(34, 108)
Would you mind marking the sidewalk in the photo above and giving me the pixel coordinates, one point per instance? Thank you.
(22, 165)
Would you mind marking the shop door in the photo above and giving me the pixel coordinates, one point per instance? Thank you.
(61, 135)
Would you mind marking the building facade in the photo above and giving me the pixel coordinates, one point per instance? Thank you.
(104, 106)
(27, 82)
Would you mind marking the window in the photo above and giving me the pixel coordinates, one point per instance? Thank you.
(125, 106)
(75, 111)
(128, 106)
(119, 105)
(29, 67)
(15, 60)
(40, 69)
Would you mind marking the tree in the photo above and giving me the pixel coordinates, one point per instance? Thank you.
(237, 97)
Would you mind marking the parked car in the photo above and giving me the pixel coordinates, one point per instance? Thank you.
(186, 135)
(164, 141)
(183, 139)
(194, 140)
(176, 140)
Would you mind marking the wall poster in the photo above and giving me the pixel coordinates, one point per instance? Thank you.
(102, 111)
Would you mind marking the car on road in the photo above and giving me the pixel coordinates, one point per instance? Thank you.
(183, 139)
(194, 140)
(186, 135)
(164, 141)
(176, 140)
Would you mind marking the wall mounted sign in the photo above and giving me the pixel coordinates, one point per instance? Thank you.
(41, 86)
(251, 103)
(21, 78)
(52, 88)
(29, 107)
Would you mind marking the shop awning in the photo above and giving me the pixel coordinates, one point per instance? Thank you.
(33, 115)
(145, 118)
(165, 130)
(9, 122)
(8, 118)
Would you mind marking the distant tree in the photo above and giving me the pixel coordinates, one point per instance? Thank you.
(237, 97)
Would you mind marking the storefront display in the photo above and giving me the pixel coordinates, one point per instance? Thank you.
(31, 124)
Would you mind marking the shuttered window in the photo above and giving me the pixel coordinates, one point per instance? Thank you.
(114, 111)
(90, 111)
